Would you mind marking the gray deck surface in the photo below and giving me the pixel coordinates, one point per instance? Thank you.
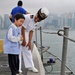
(4, 68)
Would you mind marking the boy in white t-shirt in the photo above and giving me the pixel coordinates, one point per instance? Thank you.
(27, 32)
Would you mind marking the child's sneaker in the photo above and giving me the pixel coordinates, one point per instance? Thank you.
(33, 69)
(20, 74)
(17, 74)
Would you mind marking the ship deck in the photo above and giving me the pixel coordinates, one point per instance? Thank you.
(43, 68)
(4, 67)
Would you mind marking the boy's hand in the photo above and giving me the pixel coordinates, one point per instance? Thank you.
(23, 43)
(29, 46)
(21, 38)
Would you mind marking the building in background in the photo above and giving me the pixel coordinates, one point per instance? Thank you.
(53, 21)
(7, 21)
(1, 22)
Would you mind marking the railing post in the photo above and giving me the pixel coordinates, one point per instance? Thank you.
(41, 43)
(64, 51)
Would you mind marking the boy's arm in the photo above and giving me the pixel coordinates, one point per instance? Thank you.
(11, 37)
(30, 39)
(23, 34)
(30, 35)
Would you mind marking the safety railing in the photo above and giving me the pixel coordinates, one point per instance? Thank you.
(63, 33)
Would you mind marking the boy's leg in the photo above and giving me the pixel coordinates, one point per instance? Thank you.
(17, 62)
(13, 63)
(20, 60)
(27, 57)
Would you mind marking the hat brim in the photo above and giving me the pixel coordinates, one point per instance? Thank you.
(41, 16)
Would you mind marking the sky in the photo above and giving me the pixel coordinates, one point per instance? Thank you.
(54, 6)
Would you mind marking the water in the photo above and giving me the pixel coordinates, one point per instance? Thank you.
(55, 42)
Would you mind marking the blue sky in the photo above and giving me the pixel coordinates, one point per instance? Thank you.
(54, 6)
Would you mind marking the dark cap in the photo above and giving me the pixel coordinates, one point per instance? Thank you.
(42, 13)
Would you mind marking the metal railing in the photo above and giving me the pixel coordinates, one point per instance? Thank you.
(64, 48)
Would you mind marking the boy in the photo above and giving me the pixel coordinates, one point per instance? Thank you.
(11, 44)
(27, 32)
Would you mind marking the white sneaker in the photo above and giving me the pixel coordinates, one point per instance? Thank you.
(17, 74)
(20, 71)
(33, 69)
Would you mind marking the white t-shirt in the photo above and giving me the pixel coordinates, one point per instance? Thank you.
(29, 23)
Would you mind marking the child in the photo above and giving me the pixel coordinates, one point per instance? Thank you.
(27, 31)
(12, 43)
